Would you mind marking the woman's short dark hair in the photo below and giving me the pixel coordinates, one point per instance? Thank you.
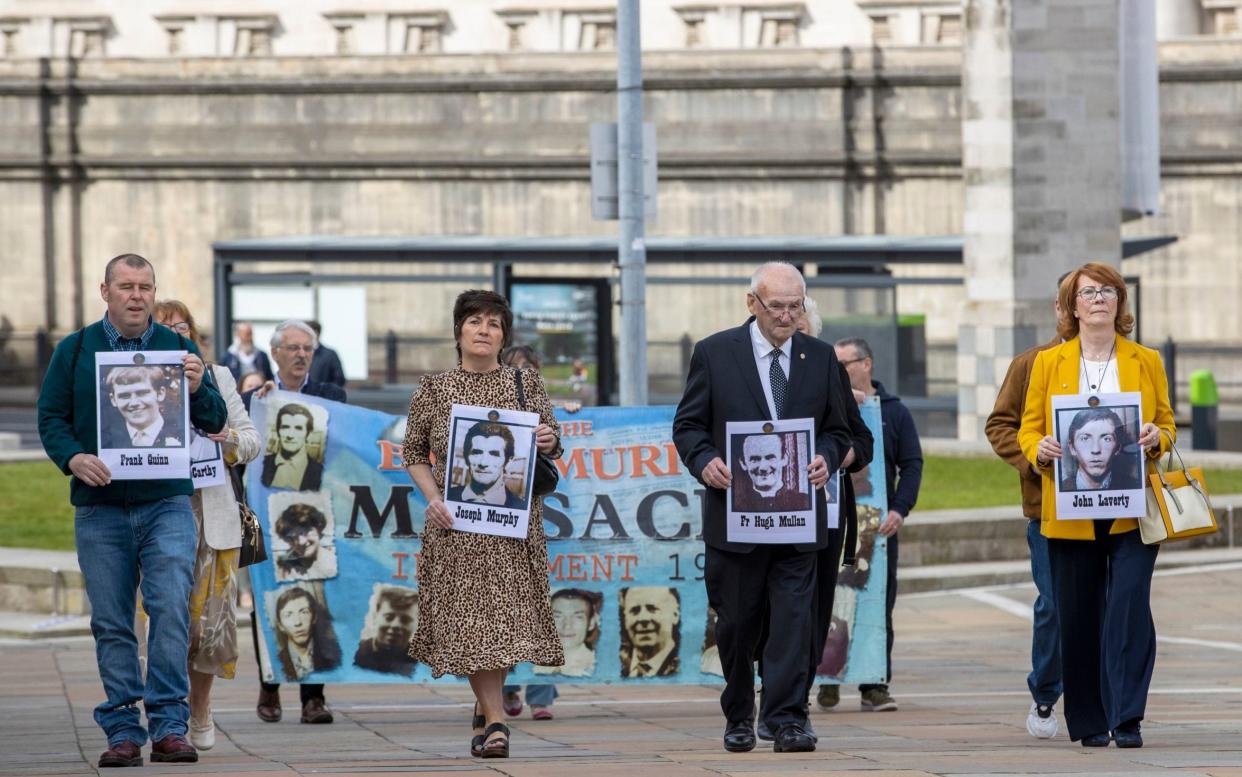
(475, 301)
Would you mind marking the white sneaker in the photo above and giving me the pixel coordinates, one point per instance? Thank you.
(1041, 721)
(203, 736)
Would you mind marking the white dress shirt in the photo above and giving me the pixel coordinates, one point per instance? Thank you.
(763, 362)
(145, 437)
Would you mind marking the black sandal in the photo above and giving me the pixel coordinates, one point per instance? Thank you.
(496, 748)
(478, 721)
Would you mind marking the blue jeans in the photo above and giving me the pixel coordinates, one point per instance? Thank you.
(115, 544)
(536, 695)
(1045, 677)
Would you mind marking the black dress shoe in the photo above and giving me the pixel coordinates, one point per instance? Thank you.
(739, 737)
(316, 711)
(792, 738)
(1128, 734)
(1096, 740)
(268, 708)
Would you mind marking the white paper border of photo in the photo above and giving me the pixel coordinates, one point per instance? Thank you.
(209, 471)
(478, 518)
(1112, 503)
(117, 460)
(753, 527)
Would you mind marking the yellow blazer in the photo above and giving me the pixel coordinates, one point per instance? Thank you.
(1056, 372)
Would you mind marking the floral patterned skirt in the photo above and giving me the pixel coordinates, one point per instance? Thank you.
(213, 622)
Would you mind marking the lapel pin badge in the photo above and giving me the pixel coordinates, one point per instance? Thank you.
(801, 355)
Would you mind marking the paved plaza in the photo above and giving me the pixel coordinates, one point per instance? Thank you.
(960, 665)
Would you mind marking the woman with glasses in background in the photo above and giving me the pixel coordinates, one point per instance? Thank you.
(1101, 569)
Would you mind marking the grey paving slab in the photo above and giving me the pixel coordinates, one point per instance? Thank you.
(960, 669)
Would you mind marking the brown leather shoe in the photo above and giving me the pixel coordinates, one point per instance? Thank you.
(316, 711)
(124, 754)
(173, 748)
(268, 708)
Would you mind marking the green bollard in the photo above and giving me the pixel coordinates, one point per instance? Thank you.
(1204, 409)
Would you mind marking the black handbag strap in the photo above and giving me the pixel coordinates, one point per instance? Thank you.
(521, 392)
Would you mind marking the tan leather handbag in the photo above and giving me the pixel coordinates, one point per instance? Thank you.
(1178, 506)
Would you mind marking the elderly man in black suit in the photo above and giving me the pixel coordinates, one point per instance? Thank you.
(764, 369)
(293, 347)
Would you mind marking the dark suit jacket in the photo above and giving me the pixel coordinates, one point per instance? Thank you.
(454, 495)
(670, 667)
(326, 367)
(723, 385)
(312, 478)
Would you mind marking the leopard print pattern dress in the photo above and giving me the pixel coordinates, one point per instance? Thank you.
(483, 600)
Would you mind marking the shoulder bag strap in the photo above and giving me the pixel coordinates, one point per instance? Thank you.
(521, 393)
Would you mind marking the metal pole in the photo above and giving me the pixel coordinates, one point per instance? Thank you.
(631, 244)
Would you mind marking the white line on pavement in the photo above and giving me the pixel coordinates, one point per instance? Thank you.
(1025, 612)
(1197, 569)
(1215, 691)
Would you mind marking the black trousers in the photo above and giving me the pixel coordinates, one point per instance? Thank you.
(1108, 638)
(309, 690)
(890, 600)
(781, 581)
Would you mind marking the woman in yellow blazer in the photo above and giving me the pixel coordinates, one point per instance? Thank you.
(1101, 569)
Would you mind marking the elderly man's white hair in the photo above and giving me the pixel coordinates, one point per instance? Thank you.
(767, 268)
(293, 323)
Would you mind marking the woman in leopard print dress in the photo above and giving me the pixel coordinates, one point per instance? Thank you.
(484, 602)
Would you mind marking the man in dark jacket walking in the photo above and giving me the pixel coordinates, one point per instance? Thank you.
(130, 530)
(903, 473)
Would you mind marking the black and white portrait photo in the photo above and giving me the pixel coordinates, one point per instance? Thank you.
(392, 614)
(490, 471)
(488, 480)
(1101, 469)
(143, 414)
(1099, 448)
(302, 536)
(650, 631)
(576, 613)
(769, 498)
(305, 639)
(295, 449)
(140, 412)
(770, 472)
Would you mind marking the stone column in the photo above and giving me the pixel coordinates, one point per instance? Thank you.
(1042, 168)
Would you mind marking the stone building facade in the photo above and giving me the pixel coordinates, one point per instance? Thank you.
(166, 130)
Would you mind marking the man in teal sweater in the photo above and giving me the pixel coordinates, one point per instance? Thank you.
(128, 529)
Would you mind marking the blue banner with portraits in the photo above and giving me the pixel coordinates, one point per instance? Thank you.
(338, 599)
